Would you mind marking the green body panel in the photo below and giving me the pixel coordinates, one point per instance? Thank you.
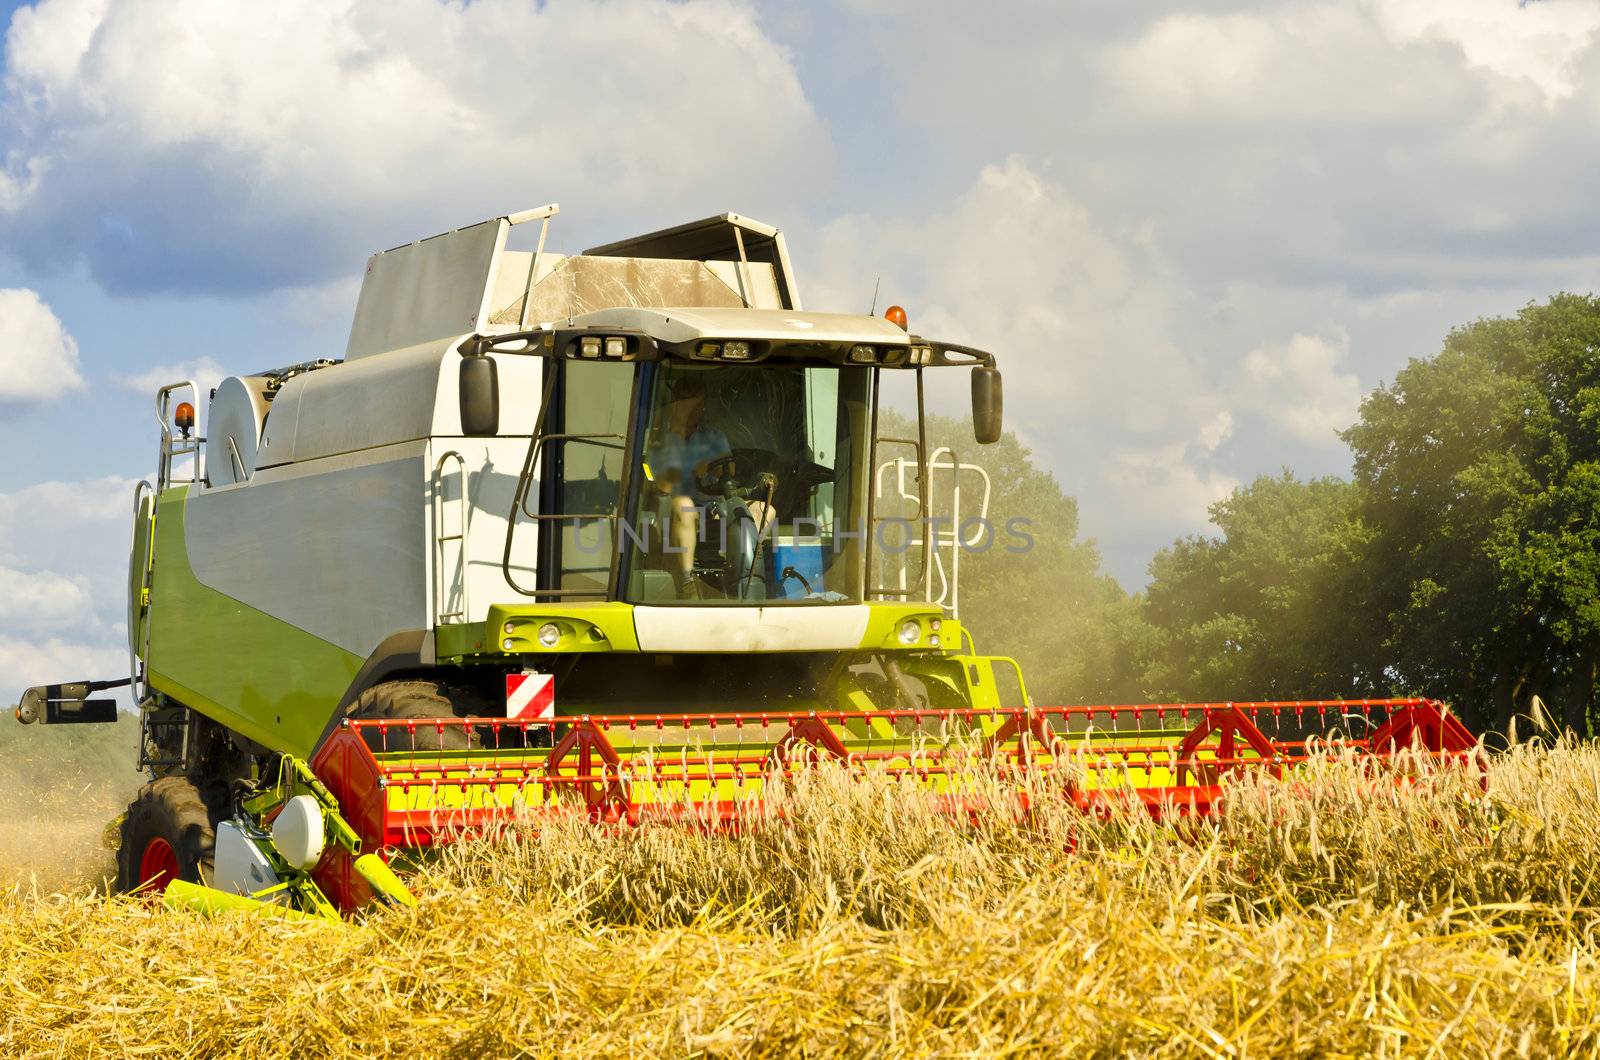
(961, 681)
(255, 674)
(883, 627)
(589, 627)
(208, 901)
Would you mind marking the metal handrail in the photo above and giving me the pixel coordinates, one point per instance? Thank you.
(171, 447)
(934, 539)
(439, 538)
(138, 687)
(898, 464)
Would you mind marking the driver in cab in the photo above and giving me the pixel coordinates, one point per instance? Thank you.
(686, 457)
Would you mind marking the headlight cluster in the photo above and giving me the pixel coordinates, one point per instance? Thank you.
(548, 636)
(593, 347)
(915, 355)
(911, 632)
(730, 350)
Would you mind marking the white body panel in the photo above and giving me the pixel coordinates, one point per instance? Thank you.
(822, 627)
(491, 466)
(334, 532)
(240, 868)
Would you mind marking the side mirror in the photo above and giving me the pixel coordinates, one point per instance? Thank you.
(480, 396)
(987, 404)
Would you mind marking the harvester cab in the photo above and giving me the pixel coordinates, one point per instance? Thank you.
(628, 532)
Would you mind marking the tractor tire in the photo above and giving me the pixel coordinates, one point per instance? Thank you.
(415, 700)
(167, 834)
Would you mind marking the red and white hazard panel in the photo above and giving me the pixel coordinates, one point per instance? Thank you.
(530, 696)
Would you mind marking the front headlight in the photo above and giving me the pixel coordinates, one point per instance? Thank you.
(549, 634)
(910, 631)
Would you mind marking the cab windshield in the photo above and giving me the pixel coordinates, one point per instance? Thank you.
(750, 484)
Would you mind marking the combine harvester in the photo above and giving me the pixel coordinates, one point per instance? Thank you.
(622, 533)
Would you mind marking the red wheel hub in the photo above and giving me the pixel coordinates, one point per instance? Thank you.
(158, 866)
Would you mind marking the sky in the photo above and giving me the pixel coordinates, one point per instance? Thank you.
(1195, 234)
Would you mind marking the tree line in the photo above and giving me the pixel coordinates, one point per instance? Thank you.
(1461, 559)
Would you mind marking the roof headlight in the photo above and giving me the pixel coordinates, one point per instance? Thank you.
(589, 346)
(706, 351)
(910, 631)
(736, 351)
(616, 346)
(863, 355)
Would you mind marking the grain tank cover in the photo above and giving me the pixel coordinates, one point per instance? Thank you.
(428, 290)
(467, 281)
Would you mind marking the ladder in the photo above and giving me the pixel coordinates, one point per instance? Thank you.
(168, 475)
(442, 539)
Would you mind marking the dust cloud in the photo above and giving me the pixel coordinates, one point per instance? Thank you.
(63, 790)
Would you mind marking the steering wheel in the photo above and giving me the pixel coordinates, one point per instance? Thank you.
(736, 475)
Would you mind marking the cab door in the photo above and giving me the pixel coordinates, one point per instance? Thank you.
(583, 466)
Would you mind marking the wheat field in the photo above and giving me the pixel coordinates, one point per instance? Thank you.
(1338, 915)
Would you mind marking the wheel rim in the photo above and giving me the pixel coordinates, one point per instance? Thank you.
(158, 866)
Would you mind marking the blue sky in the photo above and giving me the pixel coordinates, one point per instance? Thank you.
(1195, 233)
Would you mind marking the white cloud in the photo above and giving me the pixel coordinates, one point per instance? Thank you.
(1280, 202)
(63, 582)
(24, 663)
(1380, 144)
(203, 371)
(41, 601)
(1537, 42)
(1299, 386)
(50, 520)
(198, 144)
(1091, 331)
(1292, 62)
(38, 359)
(1162, 483)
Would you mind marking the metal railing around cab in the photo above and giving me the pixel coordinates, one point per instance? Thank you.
(184, 444)
(932, 534)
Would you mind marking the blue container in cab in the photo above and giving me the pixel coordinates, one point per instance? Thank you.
(806, 559)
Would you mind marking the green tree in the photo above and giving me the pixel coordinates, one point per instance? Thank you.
(1267, 610)
(1479, 471)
